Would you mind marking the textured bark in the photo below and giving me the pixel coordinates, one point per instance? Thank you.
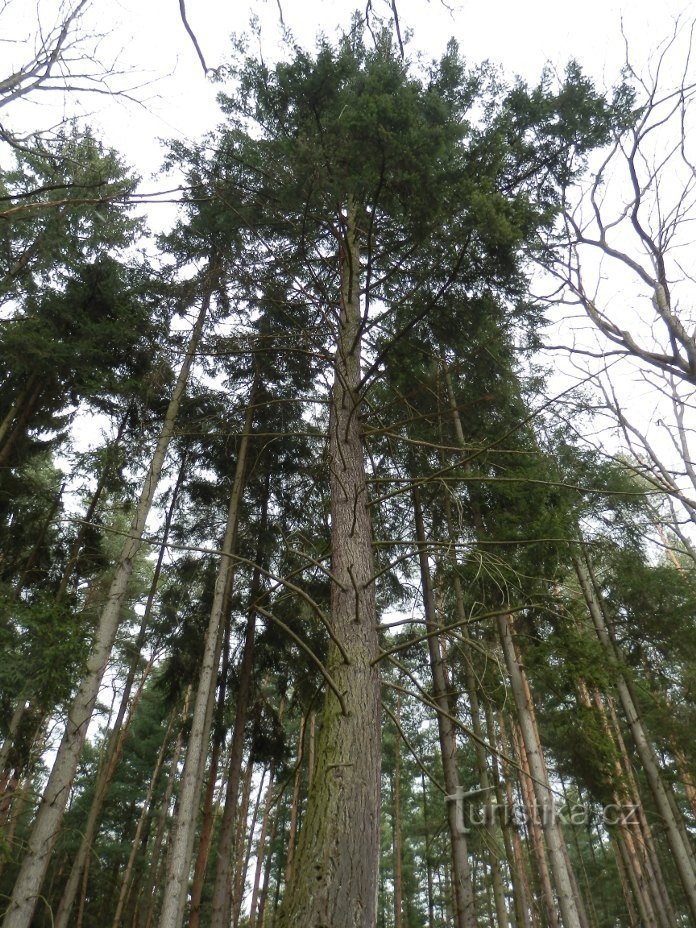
(679, 846)
(463, 890)
(335, 877)
(52, 806)
(184, 827)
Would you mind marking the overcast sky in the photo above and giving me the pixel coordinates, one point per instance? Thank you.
(147, 39)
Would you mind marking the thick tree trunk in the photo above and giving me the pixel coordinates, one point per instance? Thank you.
(335, 878)
(681, 851)
(464, 911)
(52, 807)
(184, 828)
(567, 901)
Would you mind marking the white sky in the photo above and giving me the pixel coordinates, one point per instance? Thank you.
(148, 38)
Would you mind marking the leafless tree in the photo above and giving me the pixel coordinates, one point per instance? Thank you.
(627, 262)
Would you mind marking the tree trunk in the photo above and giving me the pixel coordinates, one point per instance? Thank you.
(52, 806)
(397, 850)
(261, 848)
(428, 858)
(335, 877)
(567, 901)
(536, 837)
(521, 891)
(680, 849)
(209, 807)
(464, 912)
(241, 874)
(156, 856)
(119, 730)
(128, 872)
(221, 906)
(295, 802)
(240, 843)
(184, 828)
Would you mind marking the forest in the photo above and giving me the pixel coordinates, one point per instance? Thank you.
(327, 599)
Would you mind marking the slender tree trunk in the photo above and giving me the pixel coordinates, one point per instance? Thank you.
(128, 872)
(240, 843)
(263, 897)
(681, 851)
(119, 730)
(221, 906)
(521, 890)
(241, 875)
(536, 837)
(464, 911)
(397, 849)
(261, 848)
(55, 796)
(209, 807)
(184, 828)
(636, 865)
(642, 838)
(567, 901)
(428, 858)
(684, 774)
(295, 801)
(335, 877)
(157, 858)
